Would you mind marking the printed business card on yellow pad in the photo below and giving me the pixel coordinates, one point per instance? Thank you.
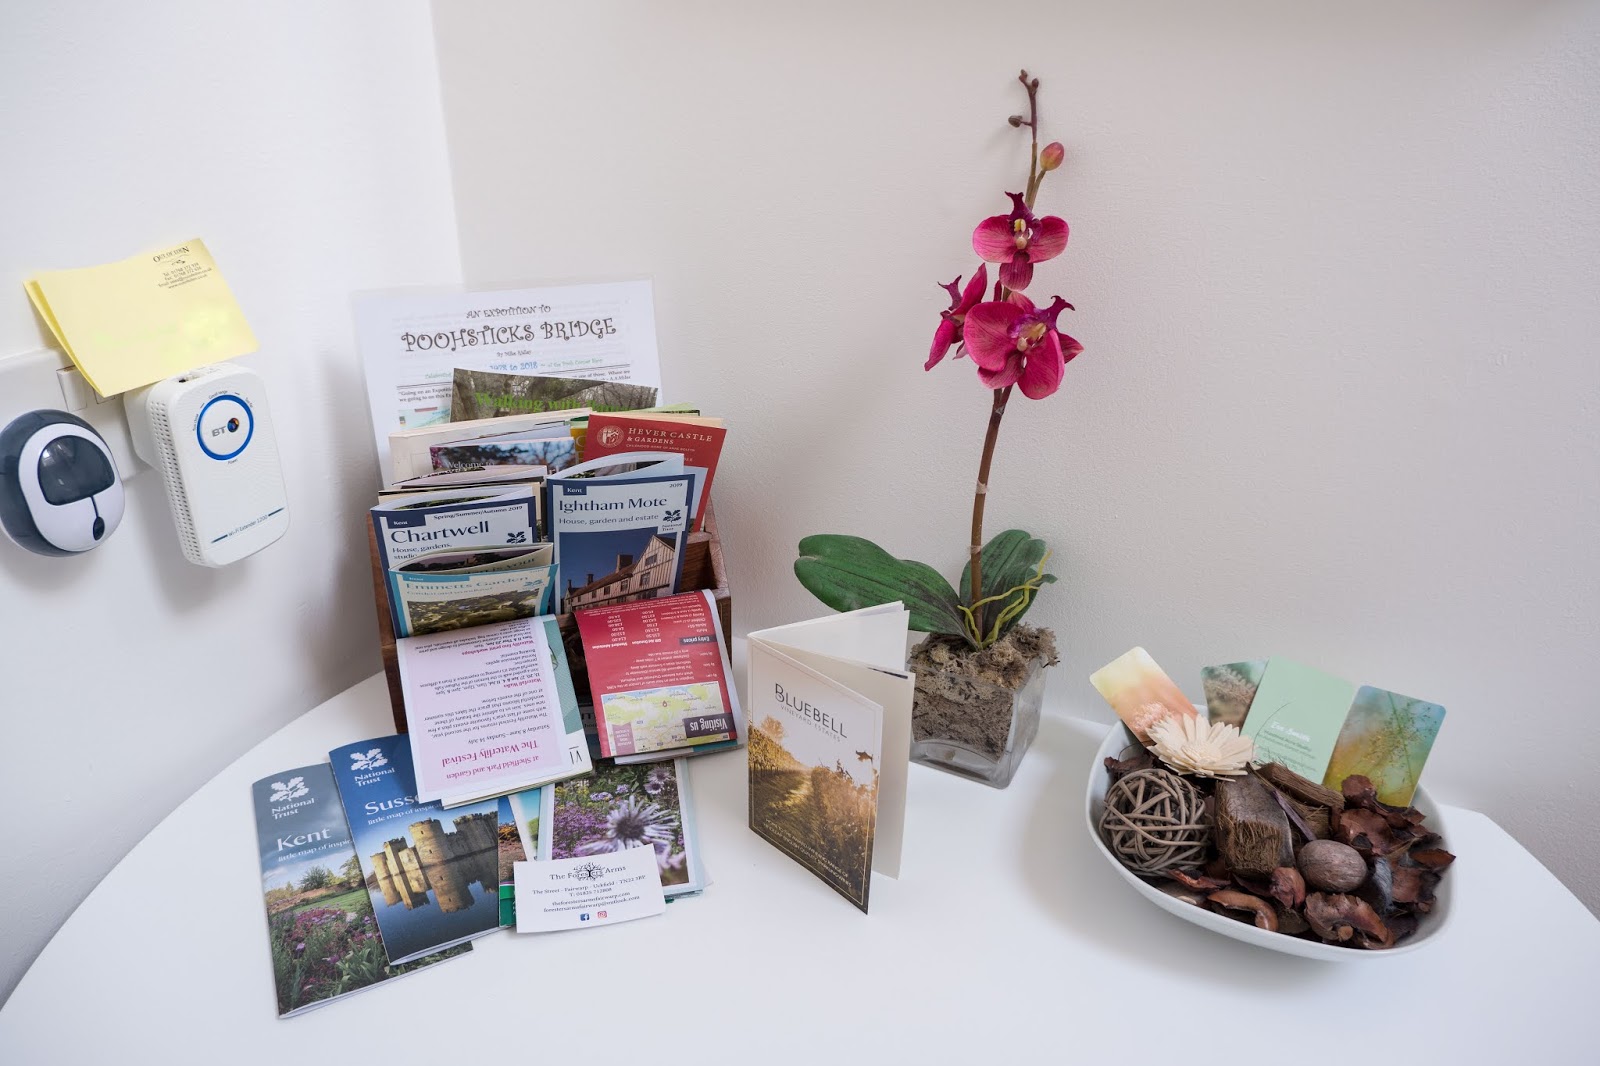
(148, 317)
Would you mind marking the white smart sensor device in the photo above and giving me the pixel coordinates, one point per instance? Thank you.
(59, 489)
(209, 433)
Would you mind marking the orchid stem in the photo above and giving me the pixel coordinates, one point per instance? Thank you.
(997, 408)
(997, 411)
(1032, 85)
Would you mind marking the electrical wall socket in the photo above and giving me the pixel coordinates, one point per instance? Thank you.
(46, 379)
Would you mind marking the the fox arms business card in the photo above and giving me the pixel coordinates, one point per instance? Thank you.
(590, 890)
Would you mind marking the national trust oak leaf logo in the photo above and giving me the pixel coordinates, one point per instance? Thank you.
(370, 760)
(293, 788)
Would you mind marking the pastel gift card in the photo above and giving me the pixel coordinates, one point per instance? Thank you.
(1230, 688)
(1140, 692)
(1296, 716)
(1387, 737)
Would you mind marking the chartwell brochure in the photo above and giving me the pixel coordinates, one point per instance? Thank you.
(432, 884)
(618, 540)
(491, 710)
(659, 677)
(319, 919)
(407, 527)
(830, 740)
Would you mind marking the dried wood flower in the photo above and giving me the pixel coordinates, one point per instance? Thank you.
(1190, 745)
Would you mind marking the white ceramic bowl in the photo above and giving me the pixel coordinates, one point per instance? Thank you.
(1430, 926)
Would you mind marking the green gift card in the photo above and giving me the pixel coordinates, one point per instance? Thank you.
(1296, 716)
(1386, 738)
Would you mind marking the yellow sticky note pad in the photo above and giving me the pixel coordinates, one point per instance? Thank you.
(145, 318)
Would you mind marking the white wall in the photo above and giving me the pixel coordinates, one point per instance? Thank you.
(1335, 269)
(305, 144)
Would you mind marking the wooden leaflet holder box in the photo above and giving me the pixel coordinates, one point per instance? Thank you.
(703, 568)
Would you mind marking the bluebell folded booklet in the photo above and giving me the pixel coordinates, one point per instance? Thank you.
(324, 938)
(829, 705)
(432, 885)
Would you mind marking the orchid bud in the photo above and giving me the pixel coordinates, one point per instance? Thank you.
(1052, 154)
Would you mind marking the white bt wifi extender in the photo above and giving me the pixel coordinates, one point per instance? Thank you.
(209, 434)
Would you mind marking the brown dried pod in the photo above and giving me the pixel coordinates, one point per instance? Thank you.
(1252, 830)
(1435, 859)
(1340, 917)
(1332, 866)
(1197, 881)
(1179, 892)
(1266, 915)
(1379, 888)
(1358, 791)
(1369, 833)
(1288, 887)
(1401, 925)
(1303, 789)
(1292, 923)
(1118, 768)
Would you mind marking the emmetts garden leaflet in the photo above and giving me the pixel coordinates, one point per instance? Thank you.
(324, 938)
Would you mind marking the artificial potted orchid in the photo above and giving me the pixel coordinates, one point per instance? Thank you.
(980, 672)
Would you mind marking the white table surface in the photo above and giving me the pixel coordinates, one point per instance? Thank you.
(1007, 938)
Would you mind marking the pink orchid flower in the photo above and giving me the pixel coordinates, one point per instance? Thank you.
(950, 321)
(1015, 343)
(1019, 240)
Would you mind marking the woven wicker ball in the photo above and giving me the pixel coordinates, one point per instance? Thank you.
(1154, 821)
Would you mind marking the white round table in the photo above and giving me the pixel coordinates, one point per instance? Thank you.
(1006, 939)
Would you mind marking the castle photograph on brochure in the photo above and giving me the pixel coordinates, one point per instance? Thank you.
(432, 876)
(324, 938)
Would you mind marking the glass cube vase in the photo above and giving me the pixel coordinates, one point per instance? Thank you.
(975, 728)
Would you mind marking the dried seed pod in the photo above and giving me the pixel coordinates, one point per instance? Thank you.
(1265, 914)
(1331, 866)
(1252, 830)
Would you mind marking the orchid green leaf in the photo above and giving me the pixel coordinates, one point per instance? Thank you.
(1011, 559)
(848, 573)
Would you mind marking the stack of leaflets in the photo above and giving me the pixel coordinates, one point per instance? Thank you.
(698, 440)
(622, 807)
(619, 525)
(488, 692)
(432, 877)
(320, 915)
(462, 556)
(660, 679)
(538, 438)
